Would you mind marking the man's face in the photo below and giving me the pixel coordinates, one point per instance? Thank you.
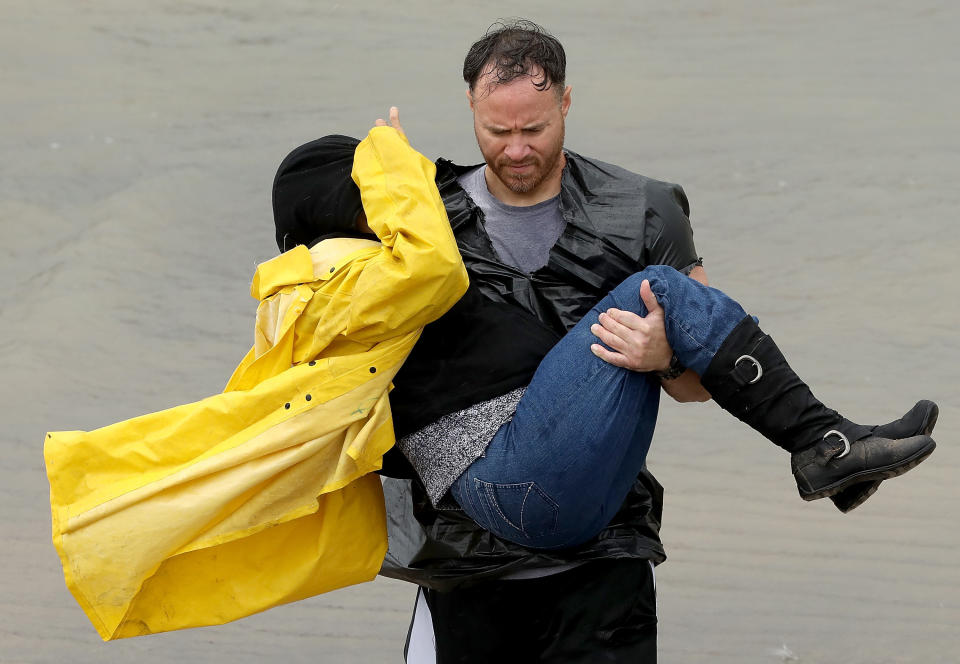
(520, 133)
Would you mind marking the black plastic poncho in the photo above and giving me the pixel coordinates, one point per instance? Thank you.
(617, 223)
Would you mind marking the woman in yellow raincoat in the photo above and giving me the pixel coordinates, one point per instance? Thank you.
(263, 495)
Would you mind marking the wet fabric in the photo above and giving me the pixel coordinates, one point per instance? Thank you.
(264, 494)
(611, 617)
(313, 194)
(552, 476)
(492, 341)
(521, 236)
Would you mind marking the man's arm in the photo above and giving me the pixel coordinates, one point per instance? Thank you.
(640, 343)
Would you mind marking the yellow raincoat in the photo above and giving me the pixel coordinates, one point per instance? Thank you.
(262, 495)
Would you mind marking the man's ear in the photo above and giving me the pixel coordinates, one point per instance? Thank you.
(565, 101)
(470, 98)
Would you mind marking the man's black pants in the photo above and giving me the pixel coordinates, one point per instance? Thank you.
(600, 611)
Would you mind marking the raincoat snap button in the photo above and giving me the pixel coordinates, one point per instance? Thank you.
(308, 397)
(312, 362)
(333, 269)
(287, 406)
(373, 370)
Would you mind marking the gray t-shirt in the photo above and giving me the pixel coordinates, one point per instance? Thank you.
(521, 236)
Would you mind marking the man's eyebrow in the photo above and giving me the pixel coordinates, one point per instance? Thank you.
(531, 127)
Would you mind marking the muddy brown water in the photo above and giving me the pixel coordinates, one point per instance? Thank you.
(819, 146)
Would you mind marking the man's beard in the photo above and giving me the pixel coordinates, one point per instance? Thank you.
(526, 182)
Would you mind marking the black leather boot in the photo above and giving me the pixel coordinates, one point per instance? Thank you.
(750, 378)
(919, 420)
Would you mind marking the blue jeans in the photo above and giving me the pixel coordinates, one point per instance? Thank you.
(555, 475)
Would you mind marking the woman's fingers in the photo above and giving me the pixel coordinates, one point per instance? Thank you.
(394, 121)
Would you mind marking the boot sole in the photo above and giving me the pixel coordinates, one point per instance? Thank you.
(874, 474)
(931, 419)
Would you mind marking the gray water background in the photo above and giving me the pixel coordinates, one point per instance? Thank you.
(817, 141)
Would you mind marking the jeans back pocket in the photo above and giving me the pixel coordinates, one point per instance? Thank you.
(518, 508)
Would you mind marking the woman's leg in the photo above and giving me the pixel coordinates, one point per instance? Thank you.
(750, 378)
(557, 473)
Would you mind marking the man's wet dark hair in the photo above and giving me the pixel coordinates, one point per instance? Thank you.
(516, 49)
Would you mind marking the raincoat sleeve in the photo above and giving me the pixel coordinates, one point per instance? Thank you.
(361, 292)
(418, 274)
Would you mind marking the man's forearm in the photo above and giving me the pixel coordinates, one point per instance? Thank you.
(639, 343)
(686, 388)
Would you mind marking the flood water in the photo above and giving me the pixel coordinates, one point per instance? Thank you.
(818, 143)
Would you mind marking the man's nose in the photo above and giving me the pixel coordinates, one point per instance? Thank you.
(517, 148)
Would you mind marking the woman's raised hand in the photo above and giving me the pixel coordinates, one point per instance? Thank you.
(394, 121)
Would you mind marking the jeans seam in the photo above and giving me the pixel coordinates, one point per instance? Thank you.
(547, 499)
(523, 504)
(481, 504)
(688, 335)
(496, 504)
(491, 502)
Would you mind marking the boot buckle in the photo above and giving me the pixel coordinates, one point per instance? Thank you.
(846, 443)
(756, 364)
